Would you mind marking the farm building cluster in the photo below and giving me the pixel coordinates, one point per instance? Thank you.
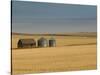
(31, 43)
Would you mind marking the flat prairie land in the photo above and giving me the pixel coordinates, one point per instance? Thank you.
(70, 54)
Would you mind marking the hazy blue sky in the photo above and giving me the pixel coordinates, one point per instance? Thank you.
(36, 17)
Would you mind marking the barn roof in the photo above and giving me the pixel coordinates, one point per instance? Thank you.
(27, 41)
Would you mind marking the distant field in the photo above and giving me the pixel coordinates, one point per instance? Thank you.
(62, 40)
(71, 53)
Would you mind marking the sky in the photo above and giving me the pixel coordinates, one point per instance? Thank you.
(39, 17)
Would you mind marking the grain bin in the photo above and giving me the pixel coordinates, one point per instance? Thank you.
(42, 42)
(52, 42)
(26, 43)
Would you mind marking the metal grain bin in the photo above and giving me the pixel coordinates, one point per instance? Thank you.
(26, 43)
(42, 42)
(52, 42)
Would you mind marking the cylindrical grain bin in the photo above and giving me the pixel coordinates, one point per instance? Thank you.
(52, 42)
(42, 42)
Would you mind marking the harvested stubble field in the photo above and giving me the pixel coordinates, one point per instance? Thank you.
(71, 53)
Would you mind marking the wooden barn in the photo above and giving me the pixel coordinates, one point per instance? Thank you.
(26, 43)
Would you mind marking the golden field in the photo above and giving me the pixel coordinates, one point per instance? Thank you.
(71, 53)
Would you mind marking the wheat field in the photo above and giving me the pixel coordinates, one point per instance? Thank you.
(71, 53)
